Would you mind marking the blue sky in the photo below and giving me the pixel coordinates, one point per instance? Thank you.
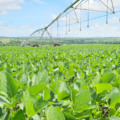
(22, 17)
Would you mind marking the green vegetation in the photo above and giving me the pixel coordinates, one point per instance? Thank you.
(70, 82)
(32, 41)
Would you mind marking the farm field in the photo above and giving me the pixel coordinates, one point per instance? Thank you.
(70, 82)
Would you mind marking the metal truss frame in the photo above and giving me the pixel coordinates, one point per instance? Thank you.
(72, 8)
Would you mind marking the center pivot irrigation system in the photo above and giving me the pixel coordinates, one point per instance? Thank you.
(78, 12)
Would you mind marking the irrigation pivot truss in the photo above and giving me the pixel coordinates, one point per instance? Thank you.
(78, 12)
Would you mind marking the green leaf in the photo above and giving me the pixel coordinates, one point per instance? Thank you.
(3, 100)
(36, 89)
(63, 91)
(118, 70)
(18, 115)
(4, 116)
(112, 112)
(32, 104)
(107, 77)
(22, 86)
(54, 113)
(8, 86)
(76, 86)
(15, 100)
(101, 87)
(113, 91)
(71, 71)
(83, 115)
(36, 117)
(68, 116)
(114, 118)
(55, 86)
(117, 82)
(40, 78)
(96, 79)
(114, 100)
(24, 79)
(0, 111)
(81, 101)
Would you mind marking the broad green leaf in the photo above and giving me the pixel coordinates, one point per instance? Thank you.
(63, 91)
(21, 85)
(97, 114)
(107, 77)
(71, 71)
(15, 100)
(75, 89)
(36, 89)
(18, 115)
(32, 104)
(61, 66)
(83, 115)
(8, 86)
(3, 100)
(96, 79)
(36, 117)
(81, 101)
(114, 118)
(112, 112)
(55, 86)
(54, 113)
(0, 111)
(24, 79)
(101, 87)
(76, 86)
(40, 78)
(83, 84)
(68, 116)
(112, 92)
(4, 116)
(115, 99)
(66, 102)
(118, 70)
(117, 82)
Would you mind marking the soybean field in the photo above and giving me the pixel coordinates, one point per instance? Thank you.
(70, 82)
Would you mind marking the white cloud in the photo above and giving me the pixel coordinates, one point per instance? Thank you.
(39, 1)
(97, 5)
(3, 13)
(10, 4)
(26, 26)
(94, 5)
(2, 22)
(114, 20)
(6, 31)
(116, 3)
(15, 32)
(6, 5)
(96, 30)
(54, 16)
